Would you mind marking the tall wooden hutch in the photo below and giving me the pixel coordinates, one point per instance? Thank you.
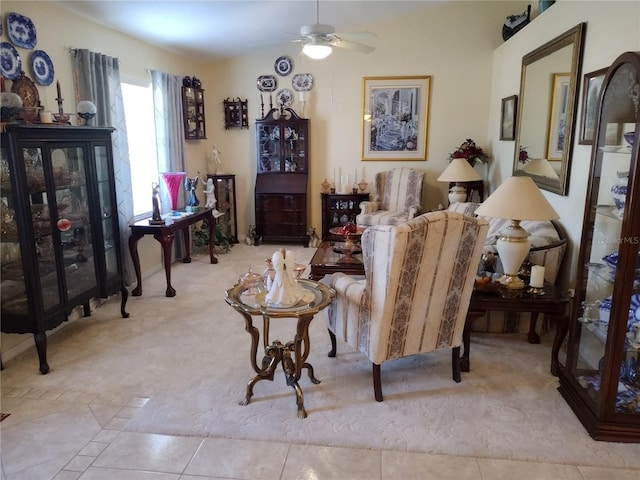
(282, 139)
(60, 242)
(601, 381)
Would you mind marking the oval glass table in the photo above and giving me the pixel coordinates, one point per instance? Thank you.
(293, 354)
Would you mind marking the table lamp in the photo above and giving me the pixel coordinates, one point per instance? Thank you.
(458, 172)
(517, 198)
(542, 167)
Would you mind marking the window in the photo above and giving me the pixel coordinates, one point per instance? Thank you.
(141, 134)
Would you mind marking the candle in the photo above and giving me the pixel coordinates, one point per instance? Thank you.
(537, 276)
(58, 88)
(301, 97)
(261, 100)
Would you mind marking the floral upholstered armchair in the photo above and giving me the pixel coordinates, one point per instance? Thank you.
(397, 197)
(414, 299)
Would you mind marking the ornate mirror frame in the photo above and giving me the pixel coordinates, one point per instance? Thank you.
(549, 84)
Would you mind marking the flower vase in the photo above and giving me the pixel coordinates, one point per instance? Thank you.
(172, 181)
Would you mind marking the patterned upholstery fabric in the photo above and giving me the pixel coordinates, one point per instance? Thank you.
(418, 281)
(397, 198)
(547, 248)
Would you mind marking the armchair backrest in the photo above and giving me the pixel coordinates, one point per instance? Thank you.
(399, 189)
(419, 280)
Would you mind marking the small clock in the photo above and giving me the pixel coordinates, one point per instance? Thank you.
(26, 90)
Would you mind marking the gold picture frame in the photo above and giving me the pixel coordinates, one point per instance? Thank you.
(395, 117)
(558, 115)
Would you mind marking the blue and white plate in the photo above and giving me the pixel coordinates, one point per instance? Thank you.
(302, 82)
(41, 67)
(21, 30)
(283, 65)
(267, 83)
(10, 63)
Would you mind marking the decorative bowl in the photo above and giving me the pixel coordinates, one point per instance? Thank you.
(628, 136)
(30, 114)
(605, 309)
(61, 118)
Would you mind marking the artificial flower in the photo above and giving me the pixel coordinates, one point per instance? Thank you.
(471, 152)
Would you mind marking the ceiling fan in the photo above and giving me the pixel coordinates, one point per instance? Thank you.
(318, 39)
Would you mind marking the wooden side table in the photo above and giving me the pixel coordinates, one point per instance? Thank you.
(497, 298)
(165, 234)
(293, 354)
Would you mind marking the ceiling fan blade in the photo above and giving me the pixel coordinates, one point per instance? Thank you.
(342, 43)
(357, 35)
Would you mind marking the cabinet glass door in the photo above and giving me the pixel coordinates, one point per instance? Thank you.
(72, 202)
(269, 148)
(606, 364)
(105, 194)
(12, 289)
(294, 150)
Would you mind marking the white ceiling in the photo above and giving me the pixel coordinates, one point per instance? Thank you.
(208, 30)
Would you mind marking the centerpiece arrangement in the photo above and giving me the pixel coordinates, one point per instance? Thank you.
(471, 152)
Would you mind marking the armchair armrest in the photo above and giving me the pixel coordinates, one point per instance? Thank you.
(414, 211)
(369, 207)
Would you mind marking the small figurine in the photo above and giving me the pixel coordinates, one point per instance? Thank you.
(190, 185)
(314, 239)
(284, 290)
(156, 219)
(210, 192)
(217, 163)
(251, 235)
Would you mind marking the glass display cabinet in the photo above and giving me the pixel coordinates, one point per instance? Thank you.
(338, 209)
(225, 190)
(60, 242)
(601, 381)
(282, 140)
(193, 113)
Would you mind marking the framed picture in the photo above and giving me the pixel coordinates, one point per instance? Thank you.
(508, 118)
(395, 118)
(591, 86)
(558, 115)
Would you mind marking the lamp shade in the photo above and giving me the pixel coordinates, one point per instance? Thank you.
(459, 170)
(316, 50)
(517, 198)
(542, 167)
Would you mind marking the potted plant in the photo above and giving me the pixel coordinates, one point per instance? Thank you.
(200, 236)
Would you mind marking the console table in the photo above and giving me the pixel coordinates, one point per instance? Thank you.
(165, 234)
(497, 298)
(293, 354)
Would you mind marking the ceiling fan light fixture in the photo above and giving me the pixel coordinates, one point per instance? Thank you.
(316, 51)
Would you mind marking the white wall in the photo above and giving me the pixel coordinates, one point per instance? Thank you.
(453, 43)
(613, 27)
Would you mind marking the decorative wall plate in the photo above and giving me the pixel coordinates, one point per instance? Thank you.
(283, 65)
(10, 63)
(302, 82)
(41, 67)
(21, 30)
(267, 83)
(284, 97)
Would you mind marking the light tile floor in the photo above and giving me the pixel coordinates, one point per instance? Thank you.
(63, 435)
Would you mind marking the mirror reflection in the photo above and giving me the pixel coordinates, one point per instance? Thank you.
(546, 112)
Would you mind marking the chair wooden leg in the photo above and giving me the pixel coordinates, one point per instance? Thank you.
(332, 337)
(377, 383)
(455, 363)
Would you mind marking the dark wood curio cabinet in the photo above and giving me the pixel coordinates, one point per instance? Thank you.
(338, 209)
(193, 113)
(282, 139)
(601, 381)
(60, 242)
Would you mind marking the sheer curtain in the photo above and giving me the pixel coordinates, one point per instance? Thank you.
(167, 104)
(97, 78)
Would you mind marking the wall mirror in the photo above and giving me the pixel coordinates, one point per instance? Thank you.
(547, 110)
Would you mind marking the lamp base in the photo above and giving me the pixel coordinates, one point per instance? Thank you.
(513, 247)
(512, 282)
(457, 194)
